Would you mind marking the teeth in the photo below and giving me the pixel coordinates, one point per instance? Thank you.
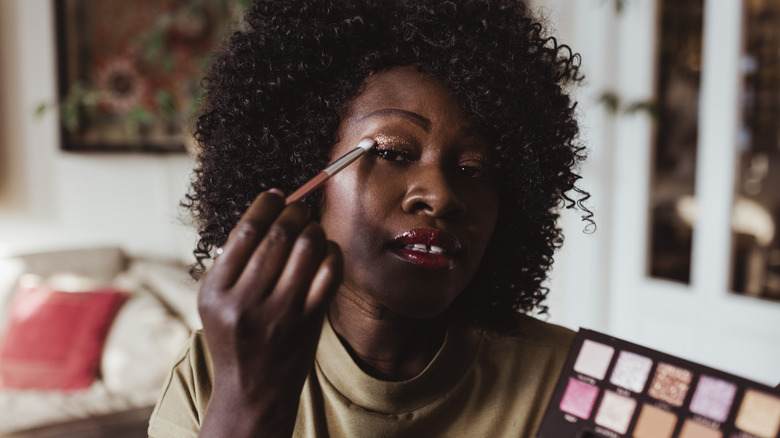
(435, 249)
(425, 248)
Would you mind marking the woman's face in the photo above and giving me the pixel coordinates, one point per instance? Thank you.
(414, 215)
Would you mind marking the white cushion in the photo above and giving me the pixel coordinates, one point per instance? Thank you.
(141, 346)
(173, 285)
(10, 271)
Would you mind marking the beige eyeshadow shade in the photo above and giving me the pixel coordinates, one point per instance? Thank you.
(593, 359)
(692, 429)
(759, 414)
(654, 423)
(615, 412)
(670, 384)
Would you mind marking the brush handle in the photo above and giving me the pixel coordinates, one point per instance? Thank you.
(310, 186)
(334, 168)
(344, 161)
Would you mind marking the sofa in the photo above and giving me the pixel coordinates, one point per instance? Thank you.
(87, 337)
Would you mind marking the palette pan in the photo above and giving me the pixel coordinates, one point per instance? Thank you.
(612, 388)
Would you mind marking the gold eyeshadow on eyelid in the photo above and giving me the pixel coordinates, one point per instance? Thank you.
(384, 140)
(390, 141)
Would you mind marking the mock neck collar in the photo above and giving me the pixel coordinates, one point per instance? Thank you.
(392, 397)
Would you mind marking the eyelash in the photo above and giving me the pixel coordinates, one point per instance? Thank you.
(478, 170)
(390, 154)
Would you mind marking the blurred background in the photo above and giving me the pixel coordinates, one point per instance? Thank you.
(96, 101)
(680, 111)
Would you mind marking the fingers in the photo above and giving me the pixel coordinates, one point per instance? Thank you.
(326, 281)
(307, 253)
(278, 253)
(244, 238)
(268, 259)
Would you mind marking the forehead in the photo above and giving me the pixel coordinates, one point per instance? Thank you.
(409, 89)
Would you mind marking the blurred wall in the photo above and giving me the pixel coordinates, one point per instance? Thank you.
(52, 199)
(600, 280)
(579, 281)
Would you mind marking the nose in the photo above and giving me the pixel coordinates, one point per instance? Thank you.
(430, 192)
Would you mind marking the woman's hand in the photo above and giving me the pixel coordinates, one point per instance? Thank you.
(262, 304)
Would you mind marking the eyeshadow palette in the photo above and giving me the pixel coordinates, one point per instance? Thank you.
(612, 388)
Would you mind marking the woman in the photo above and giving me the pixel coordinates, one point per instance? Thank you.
(389, 303)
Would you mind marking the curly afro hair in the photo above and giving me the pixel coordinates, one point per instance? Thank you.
(277, 90)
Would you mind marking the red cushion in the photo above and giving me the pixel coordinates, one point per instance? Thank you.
(54, 339)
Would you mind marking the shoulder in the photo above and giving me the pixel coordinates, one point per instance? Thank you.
(540, 332)
(193, 365)
(185, 394)
(533, 340)
(535, 332)
(521, 367)
(197, 351)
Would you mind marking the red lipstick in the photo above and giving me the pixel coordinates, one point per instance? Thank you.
(427, 248)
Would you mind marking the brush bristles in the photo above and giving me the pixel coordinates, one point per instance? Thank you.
(367, 143)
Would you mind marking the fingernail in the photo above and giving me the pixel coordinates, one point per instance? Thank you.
(276, 191)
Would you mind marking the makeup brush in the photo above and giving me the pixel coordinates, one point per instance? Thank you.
(334, 168)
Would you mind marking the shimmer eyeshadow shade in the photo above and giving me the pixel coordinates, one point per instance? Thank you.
(670, 384)
(611, 388)
(631, 371)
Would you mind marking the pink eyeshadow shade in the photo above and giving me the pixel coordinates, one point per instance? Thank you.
(578, 399)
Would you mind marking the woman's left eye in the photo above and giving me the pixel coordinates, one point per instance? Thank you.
(473, 170)
(470, 171)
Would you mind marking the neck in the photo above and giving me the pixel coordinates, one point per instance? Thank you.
(384, 344)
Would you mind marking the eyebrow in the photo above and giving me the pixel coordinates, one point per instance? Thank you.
(415, 118)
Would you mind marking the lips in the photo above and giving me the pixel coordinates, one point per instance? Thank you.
(427, 248)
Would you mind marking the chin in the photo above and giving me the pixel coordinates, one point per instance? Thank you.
(421, 306)
(411, 293)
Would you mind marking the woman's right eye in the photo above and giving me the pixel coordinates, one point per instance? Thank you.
(390, 154)
(392, 148)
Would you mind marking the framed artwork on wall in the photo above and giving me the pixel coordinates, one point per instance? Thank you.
(130, 72)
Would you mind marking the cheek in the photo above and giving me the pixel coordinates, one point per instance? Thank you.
(350, 220)
(361, 194)
(347, 211)
(485, 208)
(337, 214)
(490, 212)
